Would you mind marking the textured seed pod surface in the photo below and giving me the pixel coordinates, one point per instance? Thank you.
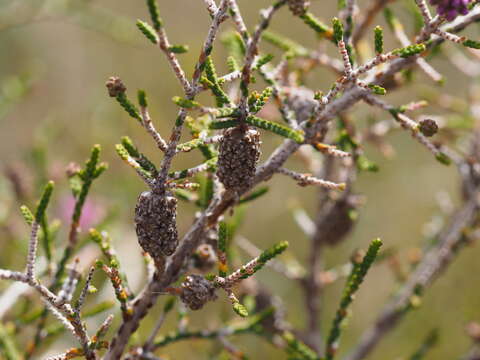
(239, 153)
(115, 86)
(298, 7)
(428, 127)
(337, 220)
(197, 291)
(155, 224)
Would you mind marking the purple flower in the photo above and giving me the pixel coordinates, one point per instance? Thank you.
(450, 9)
(92, 212)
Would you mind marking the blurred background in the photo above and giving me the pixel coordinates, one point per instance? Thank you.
(55, 56)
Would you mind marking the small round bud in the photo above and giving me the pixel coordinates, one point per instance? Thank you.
(298, 7)
(197, 291)
(72, 169)
(155, 224)
(115, 86)
(428, 127)
(239, 153)
(204, 258)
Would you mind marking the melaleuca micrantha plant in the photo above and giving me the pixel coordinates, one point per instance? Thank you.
(200, 266)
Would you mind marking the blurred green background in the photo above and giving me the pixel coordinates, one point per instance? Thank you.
(55, 56)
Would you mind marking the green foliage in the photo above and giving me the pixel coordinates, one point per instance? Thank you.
(264, 257)
(377, 90)
(365, 164)
(185, 103)
(217, 125)
(290, 46)
(409, 50)
(234, 44)
(471, 44)
(178, 49)
(428, 343)
(443, 158)
(169, 304)
(49, 231)
(210, 70)
(240, 309)
(154, 14)
(337, 29)
(223, 236)
(282, 130)
(142, 98)
(378, 31)
(284, 79)
(185, 195)
(258, 101)
(255, 194)
(44, 200)
(190, 145)
(249, 325)
(142, 160)
(98, 308)
(7, 345)
(148, 31)
(223, 239)
(205, 192)
(125, 156)
(416, 16)
(298, 348)
(353, 283)
(391, 20)
(90, 172)
(122, 152)
(27, 214)
(210, 165)
(263, 60)
(104, 242)
(318, 26)
(273, 252)
(226, 112)
(128, 106)
(232, 64)
(211, 82)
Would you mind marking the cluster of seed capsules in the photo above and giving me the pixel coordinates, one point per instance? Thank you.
(155, 212)
(156, 209)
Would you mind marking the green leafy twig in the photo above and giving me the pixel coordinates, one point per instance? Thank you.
(254, 265)
(354, 281)
(428, 343)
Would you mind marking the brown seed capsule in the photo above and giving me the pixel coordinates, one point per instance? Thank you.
(428, 127)
(197, 291)
(115, 86)
(338, 218)
(298, 7)
(239, 153)
(155, 224)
